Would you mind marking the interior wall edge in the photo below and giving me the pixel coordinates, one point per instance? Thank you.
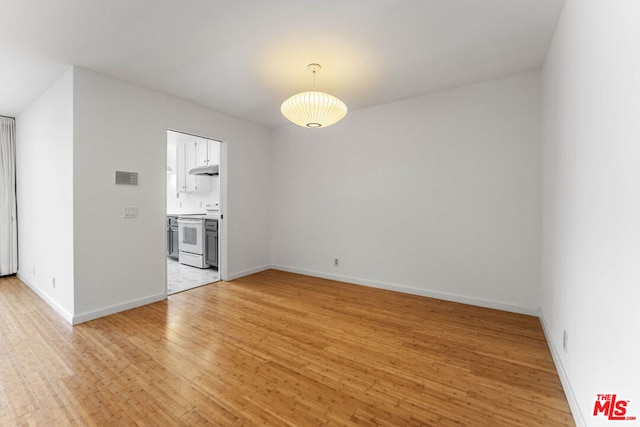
(496, 305)
(564, 378)
(232, 276)
(51, 302)
(116, 308)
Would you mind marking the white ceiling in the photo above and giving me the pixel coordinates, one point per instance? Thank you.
(244, 57)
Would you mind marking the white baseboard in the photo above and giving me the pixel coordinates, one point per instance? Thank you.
(239, 274)
(75, 319)
(116, 308)
(564, 379)
(52, 303)
(531, 311)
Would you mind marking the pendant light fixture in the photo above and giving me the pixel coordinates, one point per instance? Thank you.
(313, 109)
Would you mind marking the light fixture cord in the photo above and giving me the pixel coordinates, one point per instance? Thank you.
(314, 79)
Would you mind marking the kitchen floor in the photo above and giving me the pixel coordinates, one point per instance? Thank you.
(182, 277)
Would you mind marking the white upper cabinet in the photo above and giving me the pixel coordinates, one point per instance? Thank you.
(181, 166)
(190, 154)
(207, 152)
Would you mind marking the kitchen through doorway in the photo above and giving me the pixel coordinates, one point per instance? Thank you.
(192, 211)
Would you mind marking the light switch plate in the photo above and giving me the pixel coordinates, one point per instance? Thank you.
(130, 212)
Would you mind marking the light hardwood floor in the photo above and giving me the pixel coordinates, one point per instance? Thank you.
(276, 349)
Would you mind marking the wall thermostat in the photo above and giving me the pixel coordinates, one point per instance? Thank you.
(126, 178)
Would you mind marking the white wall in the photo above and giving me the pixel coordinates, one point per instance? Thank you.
(437, 195)
(591, 202)
(120, 263)
(70, 143)
(44, 168)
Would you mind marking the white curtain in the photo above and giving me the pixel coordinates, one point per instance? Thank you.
(8, 224)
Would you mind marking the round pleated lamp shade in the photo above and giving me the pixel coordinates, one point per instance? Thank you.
(313, 109)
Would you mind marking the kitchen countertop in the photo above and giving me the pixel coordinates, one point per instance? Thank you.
(197, 216)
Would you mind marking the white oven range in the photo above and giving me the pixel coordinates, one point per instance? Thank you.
(191, 245)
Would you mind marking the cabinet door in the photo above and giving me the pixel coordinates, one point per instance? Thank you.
(190, 163)
(213, 152)
(169, 245)
(181, 177)
(186, 157)
(174, 243)
(192, 154)
(208, 152)
(212, 248)
(203, 182)
(202, 153)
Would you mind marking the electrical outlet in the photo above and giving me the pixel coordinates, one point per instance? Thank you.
(336, 262)
(53, 282)
(565, 339)
(34, 269)
(129, 211)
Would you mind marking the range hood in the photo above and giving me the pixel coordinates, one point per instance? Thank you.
(204, 170)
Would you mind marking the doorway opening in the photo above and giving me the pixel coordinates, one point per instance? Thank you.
(192, 211)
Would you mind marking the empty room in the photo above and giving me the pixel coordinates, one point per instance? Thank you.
(358, 212)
